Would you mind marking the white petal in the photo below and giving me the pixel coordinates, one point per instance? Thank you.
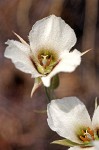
(68, 63)
(96, 144)
(52, 33)
(75, 148)
(66, 116)
(79, 148)
(95, 119)
(23, 47)
(19, 54)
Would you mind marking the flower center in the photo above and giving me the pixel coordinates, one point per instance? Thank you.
(45, 61)
(87, 135)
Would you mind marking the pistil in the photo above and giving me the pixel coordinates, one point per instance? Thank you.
(45, 60)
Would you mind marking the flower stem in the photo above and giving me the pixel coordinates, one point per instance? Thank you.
(47, 94)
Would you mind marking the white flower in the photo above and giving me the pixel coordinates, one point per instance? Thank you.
(48, 51)
(70, 119)
(96, 144)
(79, 148)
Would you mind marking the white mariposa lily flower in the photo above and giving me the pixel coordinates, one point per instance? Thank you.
(70, 119)
(48, 51)
(96, 144)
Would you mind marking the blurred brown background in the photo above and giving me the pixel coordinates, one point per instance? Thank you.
(21, 128)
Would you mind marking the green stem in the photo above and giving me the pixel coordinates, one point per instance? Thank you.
(47, 94)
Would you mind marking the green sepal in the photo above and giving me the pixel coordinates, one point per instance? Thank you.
(54, 82)
(66, 142)
(37, 83)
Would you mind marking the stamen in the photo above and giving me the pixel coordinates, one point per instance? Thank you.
(87, 135)
(91, 132)
(82, 138)
(49, 60)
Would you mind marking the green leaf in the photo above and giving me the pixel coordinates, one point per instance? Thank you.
(66, 142)
(54, 82)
